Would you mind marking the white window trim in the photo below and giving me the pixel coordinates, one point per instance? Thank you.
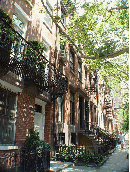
(46, 40)
(23, 17)
(10, 87)
(49, 3)
(19, 9)
(30, 3)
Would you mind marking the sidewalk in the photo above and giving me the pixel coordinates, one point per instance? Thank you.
(117, 162)
(59, 166)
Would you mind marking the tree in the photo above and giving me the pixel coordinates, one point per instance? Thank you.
(123, 114)
(100, 34)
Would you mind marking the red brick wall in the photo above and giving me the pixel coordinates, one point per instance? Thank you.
(48, 122)
(25, 116)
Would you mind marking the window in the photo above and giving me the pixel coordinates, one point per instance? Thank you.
(7, 116)
(39, 118)
(72, 122)
(80, 71)
(38, 108)
(91, 110)
(86, 78)
(46, 49)
(87, 113)
(72, 61)
(20, 19)
(47, 17)
(95, 113)
(60, 109)
(62, 16)
(90, 79)
(73, 138)
(61, 138)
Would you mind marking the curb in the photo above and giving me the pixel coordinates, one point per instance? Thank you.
(66, 166)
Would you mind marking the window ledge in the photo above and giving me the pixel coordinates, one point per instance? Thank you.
(8, 147)
(29, 3)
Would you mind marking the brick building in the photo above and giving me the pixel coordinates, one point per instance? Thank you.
(66, 98)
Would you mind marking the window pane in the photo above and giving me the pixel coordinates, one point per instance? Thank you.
(72, 61)
(17, 21)
(60, 109)
(7, 117)
(79, 71)
(61, 138)
(38, 108)
(72, 109)
(47, 17)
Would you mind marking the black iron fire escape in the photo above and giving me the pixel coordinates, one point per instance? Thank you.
(14, 57)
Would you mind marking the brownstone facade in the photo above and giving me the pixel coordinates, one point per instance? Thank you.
(70, 114)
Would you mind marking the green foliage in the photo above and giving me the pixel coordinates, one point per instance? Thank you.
(33, 142)
(6, 17)
(34, 53)
(68, 155)
(123, 113)
(123, 15)
(5, 29)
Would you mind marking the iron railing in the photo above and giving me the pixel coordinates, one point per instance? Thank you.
(25, 161)
(34, 69)
(105, 140)
(35, 160)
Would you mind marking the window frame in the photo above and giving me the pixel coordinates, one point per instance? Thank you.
(72, 57)
(60, 140)
(63, 18)
(8, 94)
(61, 108)
(22, 16)
(72, 108)
(80, 70)
(46, 15)
(86, 77)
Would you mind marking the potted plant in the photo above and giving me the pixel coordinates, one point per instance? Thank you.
(35, 153)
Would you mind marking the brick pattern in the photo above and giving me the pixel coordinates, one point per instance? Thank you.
(48, 122)
(25, 116)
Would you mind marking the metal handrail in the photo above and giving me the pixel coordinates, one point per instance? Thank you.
(35, 68)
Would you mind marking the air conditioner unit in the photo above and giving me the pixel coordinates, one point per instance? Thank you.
(63, 55)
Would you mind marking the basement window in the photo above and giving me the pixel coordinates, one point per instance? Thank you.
(73, 138)
(61, 138)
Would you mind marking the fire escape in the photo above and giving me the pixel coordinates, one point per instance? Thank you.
(34, 69)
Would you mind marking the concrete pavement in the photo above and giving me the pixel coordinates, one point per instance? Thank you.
(117, 162)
